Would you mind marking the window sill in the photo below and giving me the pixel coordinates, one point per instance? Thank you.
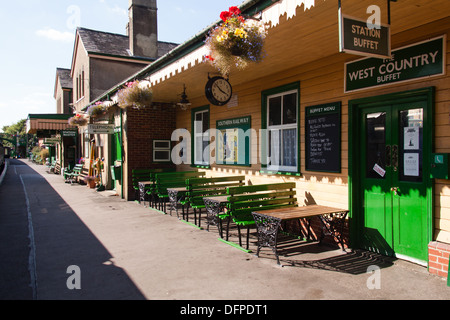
(283, 173)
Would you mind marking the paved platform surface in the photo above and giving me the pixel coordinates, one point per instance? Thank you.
(124, 250)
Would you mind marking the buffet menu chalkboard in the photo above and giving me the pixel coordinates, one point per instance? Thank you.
(323, 137)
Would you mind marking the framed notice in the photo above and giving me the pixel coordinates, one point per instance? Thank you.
(233, 141)
(323, 137)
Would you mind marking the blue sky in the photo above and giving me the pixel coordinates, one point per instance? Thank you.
(37, 36)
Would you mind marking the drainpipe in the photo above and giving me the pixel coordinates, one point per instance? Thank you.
(122, 153)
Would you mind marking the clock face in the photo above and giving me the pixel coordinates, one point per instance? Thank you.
(218, 91)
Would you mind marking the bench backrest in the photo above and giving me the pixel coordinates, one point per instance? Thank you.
(138, 175)
(203, 187)
(77, 168)
(174, 180)
(242, 201)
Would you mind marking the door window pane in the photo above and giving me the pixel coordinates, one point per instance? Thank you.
(410, 145)
(376, 145)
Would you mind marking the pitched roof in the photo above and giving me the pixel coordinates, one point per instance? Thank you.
(114, 44)
(64, 78)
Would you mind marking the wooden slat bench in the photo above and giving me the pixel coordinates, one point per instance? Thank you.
(139, 175)
(73, 175)
(163, 181)
(242, 201)
(199, 188)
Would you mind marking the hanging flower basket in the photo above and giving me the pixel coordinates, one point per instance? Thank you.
(237, 41)
(78, 120)
(96, 110)
(135, 95)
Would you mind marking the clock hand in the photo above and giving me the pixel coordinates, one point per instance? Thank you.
(220, 89)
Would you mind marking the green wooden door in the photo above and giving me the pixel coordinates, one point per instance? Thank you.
(116, 155)
(394, 162)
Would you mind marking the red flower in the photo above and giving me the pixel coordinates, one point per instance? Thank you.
(234, 11)
(225, 15)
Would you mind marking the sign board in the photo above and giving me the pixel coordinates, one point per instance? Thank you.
(233, 142)
(101, 129)
(323, 137)
(420, 60)
(69, 133)
(356, 37)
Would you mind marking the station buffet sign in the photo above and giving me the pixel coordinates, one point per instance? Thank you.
(420, 60)
(357, 38)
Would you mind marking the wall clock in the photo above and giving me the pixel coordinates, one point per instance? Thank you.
(218, 91)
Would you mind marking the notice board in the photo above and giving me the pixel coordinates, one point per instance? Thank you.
(323, 137)
(233, 141)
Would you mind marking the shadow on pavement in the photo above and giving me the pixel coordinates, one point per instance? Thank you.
(61, 240)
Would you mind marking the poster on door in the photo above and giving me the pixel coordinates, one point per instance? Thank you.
(411, 164)
(411, 138)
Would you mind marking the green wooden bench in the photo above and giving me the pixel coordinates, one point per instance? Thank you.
(74, 174)
(51, 166)
(164, 181)
(242, 201)
(139, 175)
(199, 188)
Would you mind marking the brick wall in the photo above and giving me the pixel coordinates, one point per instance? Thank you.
(144, 126)
(438, 256)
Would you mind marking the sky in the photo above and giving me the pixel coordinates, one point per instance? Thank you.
(37, 36)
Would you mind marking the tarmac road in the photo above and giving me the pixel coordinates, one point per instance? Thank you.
(68, 242)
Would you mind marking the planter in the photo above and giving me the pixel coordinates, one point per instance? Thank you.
(91, 184)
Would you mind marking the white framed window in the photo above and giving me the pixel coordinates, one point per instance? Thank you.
(200, 125)
(282, 131)
(161, 150)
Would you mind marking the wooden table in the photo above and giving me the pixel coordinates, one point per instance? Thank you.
(175, 196)
(268, 223)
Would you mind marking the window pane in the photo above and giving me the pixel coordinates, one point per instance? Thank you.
(290, 108)
(275, 111)
(274, 147)
(290, 147)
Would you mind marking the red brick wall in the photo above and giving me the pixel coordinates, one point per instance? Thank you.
(438, 256)
(144, 126)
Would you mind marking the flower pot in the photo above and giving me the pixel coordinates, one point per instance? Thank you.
(91, 184)
(236, 51)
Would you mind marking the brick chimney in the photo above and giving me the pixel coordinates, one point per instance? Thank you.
(143, 28)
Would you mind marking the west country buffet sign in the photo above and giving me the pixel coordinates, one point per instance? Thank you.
(420, 60)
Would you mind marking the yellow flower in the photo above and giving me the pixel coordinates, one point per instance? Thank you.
(240, 33)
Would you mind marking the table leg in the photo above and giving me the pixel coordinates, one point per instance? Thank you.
(142, 193)
(334, 224)
(267, 228)
(213, 208)
(173, 201)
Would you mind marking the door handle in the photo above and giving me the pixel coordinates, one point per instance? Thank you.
(396, 190)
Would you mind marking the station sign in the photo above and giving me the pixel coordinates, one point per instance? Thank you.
(357, 37)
